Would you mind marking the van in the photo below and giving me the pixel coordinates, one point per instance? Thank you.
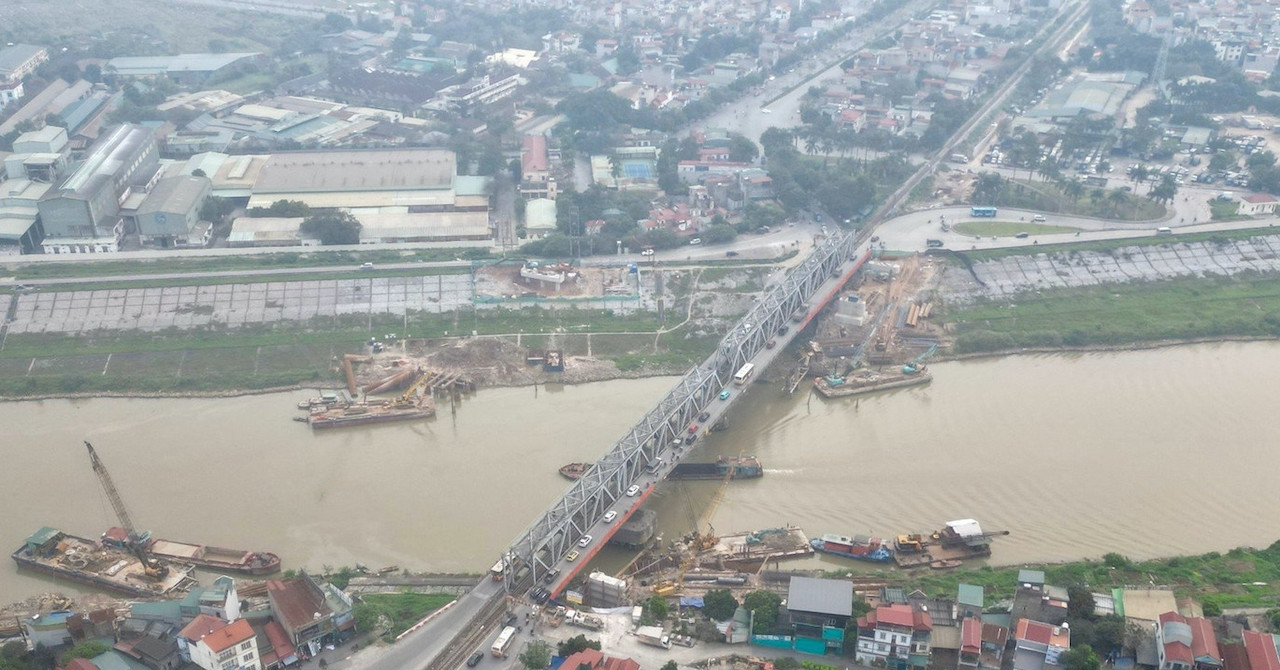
(1164, 230)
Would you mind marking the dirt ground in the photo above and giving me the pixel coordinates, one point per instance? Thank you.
(505, 281)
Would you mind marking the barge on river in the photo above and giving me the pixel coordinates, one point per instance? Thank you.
(362, 414)
(858, 547)
(100, 565)
(215, 558)
(733, 467)
(868, 382)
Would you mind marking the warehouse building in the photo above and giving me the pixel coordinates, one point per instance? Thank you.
(169, 216)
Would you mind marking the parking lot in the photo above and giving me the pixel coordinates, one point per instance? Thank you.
(160, 308)
(1011, 275)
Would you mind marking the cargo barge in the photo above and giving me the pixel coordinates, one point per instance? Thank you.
(867, 382)
(958, 540)
(574, 471)
(750, 551)
(858, 547)
(216, 558)
(96, 564)
(733, 467)
(362, 414)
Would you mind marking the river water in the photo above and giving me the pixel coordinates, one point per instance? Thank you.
(1147, 453)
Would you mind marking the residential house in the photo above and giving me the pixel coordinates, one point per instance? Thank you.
(1186, 643)
(48, 630)
(300, 606)
(969, 600)
(214, 644)
(158, 652)
(1260, 651)
(1038, 645)
(96, 625)
(994, 640)
(896, 636)
(596, 660)
(535, 168)
(79, 664)
(819, 610)
(970, 643)
(1257, 203)
(1038, 601)
(275, 651)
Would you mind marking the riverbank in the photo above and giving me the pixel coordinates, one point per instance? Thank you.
(1242, 577)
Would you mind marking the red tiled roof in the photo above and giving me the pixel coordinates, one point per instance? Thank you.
(1261, 651)
(997, 635)
(1234, 657)
(202, 625)
(534, 156)
(1259, 198)
(1043, 633)
(599, 661)
(1204, 643)
(971, 635)
(279, 640)
(894, 615)
(229, 636)
(80, 664)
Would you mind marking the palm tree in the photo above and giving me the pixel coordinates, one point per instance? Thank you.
(1118, 199)
(1074, 189)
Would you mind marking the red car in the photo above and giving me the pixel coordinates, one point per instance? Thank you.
(693, 428)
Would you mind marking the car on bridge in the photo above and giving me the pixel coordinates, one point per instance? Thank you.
(724, 395)
(704, 416)
(610, 516)
(635, 488)
(586, 540)
(475, 659)
(571, 556)
(693, 428)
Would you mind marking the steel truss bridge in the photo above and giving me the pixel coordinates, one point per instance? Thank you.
(552, 535)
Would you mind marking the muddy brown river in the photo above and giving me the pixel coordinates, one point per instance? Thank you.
(1147, 453)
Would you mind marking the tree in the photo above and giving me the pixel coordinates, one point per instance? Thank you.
(764, 609)
(1165, 191)
(215, 208)
(719, 234)
(657, 608)
(670, 665)
(576, 644)
(1081, 604)
(1223, 160)
(719, 604)
(367, 618)
(1074, 190)
(1079, 658)
(741, 149)
(282, 209)
(332, 227)
(1108, 634)
(87, 649)
(538, 656)
(1211, 609)
(787, 663)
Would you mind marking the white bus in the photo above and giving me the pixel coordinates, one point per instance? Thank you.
(496, 571)
(743, 374)
(503, 642)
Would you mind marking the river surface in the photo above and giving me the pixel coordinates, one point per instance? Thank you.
(1147, 453)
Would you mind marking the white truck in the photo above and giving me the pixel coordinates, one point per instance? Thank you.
(653, 636)
(637, 613)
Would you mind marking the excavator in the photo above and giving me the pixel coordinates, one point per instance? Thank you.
(136, 542)
(408, 399)
(917, 364)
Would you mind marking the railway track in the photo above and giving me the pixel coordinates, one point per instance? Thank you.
(470, 636)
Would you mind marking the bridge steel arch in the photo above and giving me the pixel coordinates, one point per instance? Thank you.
(555, 532)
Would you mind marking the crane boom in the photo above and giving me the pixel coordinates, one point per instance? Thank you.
(112, 494)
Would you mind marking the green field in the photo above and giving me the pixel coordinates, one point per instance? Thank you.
(1010, 228)
(394, 613)
(1113, 314)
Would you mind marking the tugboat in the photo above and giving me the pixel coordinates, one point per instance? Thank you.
(574, 471)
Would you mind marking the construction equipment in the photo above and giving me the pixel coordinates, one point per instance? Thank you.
(698, 541)
(917, 364)
(349, 371)
(136, 542)
(912, 543)
(409, 397)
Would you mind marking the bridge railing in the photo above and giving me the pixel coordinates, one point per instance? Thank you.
(556, 531)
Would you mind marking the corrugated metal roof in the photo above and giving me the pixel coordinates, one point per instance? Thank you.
(822, 596)
(969, 594)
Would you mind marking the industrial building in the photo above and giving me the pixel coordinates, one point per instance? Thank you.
(16, 62)
(183, 68)
(408, 195)
(169, 216)
(82, 215)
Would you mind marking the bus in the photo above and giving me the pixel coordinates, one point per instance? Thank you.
(982, 211)
(496, 571)
(503, 642)
(743, 374)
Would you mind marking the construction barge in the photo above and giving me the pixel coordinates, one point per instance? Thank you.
(216, 558)
(733, 467)
(750, 551)
(957, 541)
(100, 565)
(864, 382)
(363, 414)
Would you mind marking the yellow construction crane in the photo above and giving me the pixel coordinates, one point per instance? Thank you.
(408, 398)
(136, 541)
(698, 541)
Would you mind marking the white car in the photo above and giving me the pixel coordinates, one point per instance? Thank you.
(766, 110)
(586, 540)
(695, 241)
(647, 252)
(610, 516)
(1038, 218)
(634, 490)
